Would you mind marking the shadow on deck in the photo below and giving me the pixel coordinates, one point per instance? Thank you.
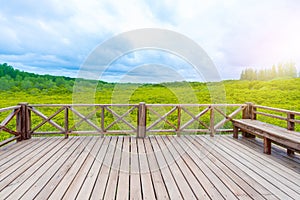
(161, 167)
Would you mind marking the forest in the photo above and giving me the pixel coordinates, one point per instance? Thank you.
(282, 70)
(18, 86)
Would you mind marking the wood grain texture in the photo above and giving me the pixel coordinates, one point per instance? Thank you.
(155, 167)
(271, 133)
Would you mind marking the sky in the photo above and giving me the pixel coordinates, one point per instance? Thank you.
(57, 37)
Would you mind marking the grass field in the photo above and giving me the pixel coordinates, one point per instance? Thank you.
(283, 93)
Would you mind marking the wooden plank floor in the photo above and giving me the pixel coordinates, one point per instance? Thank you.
(157, 167)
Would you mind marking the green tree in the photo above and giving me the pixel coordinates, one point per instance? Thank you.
(262, 75)
(280, 70)
(243, 75)
(273, 73)
(291, 70)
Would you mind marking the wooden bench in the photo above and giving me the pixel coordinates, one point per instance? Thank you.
(270, 133)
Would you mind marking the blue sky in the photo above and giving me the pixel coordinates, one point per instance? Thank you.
(56, 37)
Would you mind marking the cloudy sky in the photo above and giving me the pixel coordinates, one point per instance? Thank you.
(56, 37)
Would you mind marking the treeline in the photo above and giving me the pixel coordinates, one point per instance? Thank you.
(282, 70)
(15, 80)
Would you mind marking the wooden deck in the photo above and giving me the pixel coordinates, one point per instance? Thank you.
(161, 167)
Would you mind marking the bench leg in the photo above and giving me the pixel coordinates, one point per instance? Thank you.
(235, 132)
(267, 146)
(290, 152)
(248, 135)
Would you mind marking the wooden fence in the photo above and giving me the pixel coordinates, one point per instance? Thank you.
(25, 120)
(14, 112)
(288, 117)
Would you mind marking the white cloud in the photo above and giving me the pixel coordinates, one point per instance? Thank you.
(233, 33)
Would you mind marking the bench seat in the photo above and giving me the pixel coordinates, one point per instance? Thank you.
(270, 133)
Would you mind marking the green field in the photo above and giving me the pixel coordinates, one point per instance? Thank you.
(283, 93)
(36, 89)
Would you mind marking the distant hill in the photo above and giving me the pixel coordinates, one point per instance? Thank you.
(7, 70)
(16, 80)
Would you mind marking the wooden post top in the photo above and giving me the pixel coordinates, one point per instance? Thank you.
(23, 103)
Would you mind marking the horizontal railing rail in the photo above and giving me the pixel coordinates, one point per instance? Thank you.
(139, 119)
(208, 111)
(99, 118)
(24, 120)
(134, 126)
(289, 116)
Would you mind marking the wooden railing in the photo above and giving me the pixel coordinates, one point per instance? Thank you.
(140, 119)
(94, 116)
(269, 114)
(24, 120)
(13, 112)
(193, 113)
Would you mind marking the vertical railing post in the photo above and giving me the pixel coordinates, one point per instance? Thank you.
(66, 122)
(19, 124)
(290, 121)
(212, 121)
(291, 127)
(28, 122)
(252, 112)
(245, 114)
(178, 120)
(102, 120)
(248, 113)
(141, 120)
(24, 122)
